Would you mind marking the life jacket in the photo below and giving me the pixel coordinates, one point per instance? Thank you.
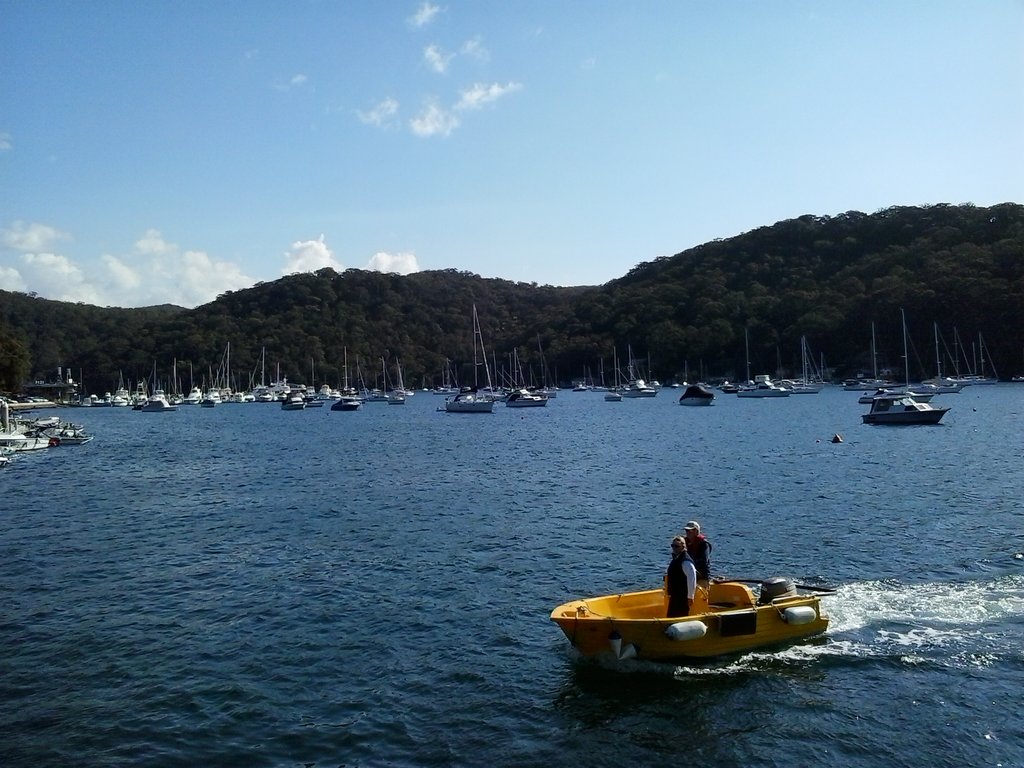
(701, 556)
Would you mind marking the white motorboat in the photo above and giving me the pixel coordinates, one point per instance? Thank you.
(346, 403)
(295, 402)
(921, 397)
(897, 408)
(17, 441)
(762, 386)
(211, 399)
(13, 436)
(524, 398)
(157, 403)
(69, 434)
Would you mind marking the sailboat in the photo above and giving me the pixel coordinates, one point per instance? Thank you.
(547, 389)
(980, 377)
(867, 385)
(614, 395)
(636, 387)
(762, 384)
(471, 400)
(349, 400)
(396, 396)
(902, 407)
(940, 385)
(448, 385)
(808, 384)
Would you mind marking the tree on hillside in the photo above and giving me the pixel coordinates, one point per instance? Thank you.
(14, 362)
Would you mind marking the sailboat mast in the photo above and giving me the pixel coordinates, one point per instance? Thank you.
(476, 362)
(746, 341)
(874, 353)
(906, 358)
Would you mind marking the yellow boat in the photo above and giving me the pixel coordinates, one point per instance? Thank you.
(726, 618)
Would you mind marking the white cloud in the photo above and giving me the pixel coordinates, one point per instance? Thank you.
(152, 243)
(158, 272)
(31, 237)
(154, 271)
(57, 277)
(288, 83)
(380, 114)
(202, 278)
(10, 280)
(424, 14)
(309, 256)
(403, 263)
(437, 59)
(5, 142)
(479, 95)
(122, 276)
(434, 121)
(475, 49)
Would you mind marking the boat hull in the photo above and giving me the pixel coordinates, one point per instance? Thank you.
(469, 403)
(933, 416)
(902, 409)
(726, 621)
(526, 402)
(346, 404)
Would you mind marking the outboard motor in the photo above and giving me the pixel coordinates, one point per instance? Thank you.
(775, 587)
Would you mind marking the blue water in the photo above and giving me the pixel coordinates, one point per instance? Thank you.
(255, 587)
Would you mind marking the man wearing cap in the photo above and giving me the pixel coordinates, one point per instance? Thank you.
(699, 549)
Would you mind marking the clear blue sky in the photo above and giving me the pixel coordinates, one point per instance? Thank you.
(167, 151)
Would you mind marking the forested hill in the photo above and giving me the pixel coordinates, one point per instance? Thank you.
(826, 278)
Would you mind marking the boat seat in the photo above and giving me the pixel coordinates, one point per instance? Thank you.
(731, 594)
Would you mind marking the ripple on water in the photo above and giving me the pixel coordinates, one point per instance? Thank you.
(375, 590)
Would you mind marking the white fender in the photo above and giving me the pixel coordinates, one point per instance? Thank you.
(615, 641)
(799, 614)
(621, 652)
(686, 630)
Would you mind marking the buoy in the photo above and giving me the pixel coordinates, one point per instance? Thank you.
(686, 630)
(799, 614)
(836, 438)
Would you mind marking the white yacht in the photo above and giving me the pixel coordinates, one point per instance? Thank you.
(762, 386)
(157, 403)
(524, 398)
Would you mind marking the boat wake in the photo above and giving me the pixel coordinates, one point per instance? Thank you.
(948, 624)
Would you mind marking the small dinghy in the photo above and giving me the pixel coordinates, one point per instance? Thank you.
(727, 618)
